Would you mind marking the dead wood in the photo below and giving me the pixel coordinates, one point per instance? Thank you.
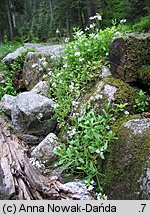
(19, 179)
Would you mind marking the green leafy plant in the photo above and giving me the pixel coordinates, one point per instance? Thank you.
(142, 102)
(83, 58)
(88, 140)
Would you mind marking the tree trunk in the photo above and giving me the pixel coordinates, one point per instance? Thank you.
(11, 34)
(19, 179)
(104, 5)
(50, 7)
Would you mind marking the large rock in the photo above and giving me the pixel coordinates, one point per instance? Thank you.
(32, 114)
(127, 174)
(6, 103)
(12, 56)
(35, 65)
(44, 151)
(128, 54)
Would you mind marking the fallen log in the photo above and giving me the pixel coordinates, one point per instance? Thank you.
(19, 179)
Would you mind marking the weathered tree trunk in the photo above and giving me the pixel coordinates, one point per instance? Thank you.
(18, 178)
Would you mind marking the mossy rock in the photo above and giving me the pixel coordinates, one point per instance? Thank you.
(128, 54)
(110, 89)
(127, 174)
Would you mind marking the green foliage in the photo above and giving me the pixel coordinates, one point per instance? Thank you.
(142, 102)
(82, 61)
(143, 25)
(8, 47)
(8, 74)
(88, 140)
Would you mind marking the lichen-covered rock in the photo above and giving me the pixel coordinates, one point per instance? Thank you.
(42, 88)
(32, 114)
(44, 151)
(35, 65)
(80, 188)
(128, 54)
(14, 55)
(127, 174)
(34, 69)
(6, 103)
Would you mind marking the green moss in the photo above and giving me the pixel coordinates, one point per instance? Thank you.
(144, 74)
(126, 162)
(137, 52)
(125, 93)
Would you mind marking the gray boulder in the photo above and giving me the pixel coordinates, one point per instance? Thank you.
(32, 114)
(42, 88)
(44, 151)
(12, 56)
(6, 103)
(127, 174)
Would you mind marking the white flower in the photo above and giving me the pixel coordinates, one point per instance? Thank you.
(92, 182)
(90, 188)
(81, 59)
(55, 106)
(54, 84)
(79, 33)
(57, 31)
(34, 65)
(39, 116)
(92, 25)
(126, 112)
(99, 17)
(97, 151)
(71, 86)
(71, 133)
(77, 54)
(49, 73)
(123, 21)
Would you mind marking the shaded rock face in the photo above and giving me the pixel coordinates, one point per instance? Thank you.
(14, 55)
(128, 167)
(44, 151)
(6, 103)
(128, 54)
(32, 114)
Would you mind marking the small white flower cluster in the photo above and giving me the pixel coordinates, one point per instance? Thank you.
(72, 86)
(126, 112)
(77, 54)
(39, 116)
(79, 33)
(100, 196)
(97, 16)
(37, 163)
(42, 63)
(71, 133)
(96, 97)
(89, 185)
(123, 21)
(75, 104)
